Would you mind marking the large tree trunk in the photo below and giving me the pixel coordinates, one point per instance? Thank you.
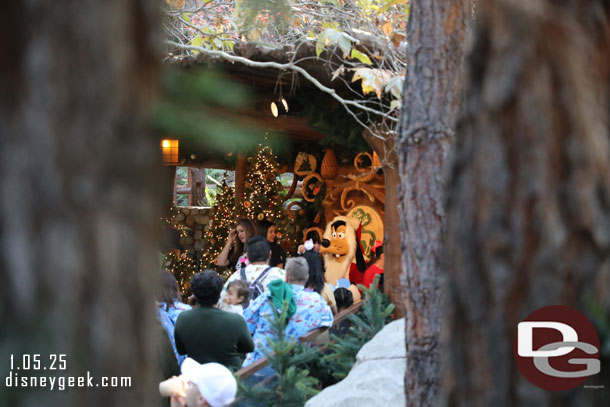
(435, 33)
(79, 205)
(528, 214)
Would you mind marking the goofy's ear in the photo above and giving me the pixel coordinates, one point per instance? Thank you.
(360, 262)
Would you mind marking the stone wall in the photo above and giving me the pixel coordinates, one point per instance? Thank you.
(192, 220)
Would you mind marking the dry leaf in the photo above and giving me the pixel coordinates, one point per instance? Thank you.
(387, 28)
(397, 39)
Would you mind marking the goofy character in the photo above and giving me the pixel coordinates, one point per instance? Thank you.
(340, 247)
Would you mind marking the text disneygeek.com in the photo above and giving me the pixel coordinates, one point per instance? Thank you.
(25, 369)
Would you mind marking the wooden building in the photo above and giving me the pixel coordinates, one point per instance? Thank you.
(365, 186)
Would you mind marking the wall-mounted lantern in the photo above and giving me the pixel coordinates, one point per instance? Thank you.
(169, 150)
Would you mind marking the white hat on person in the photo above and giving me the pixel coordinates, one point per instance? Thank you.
(214, 381)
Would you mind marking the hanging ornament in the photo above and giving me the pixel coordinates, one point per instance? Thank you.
(247, 204)
(311, 186)
(329, 168)
(305, 163)
(260, 216)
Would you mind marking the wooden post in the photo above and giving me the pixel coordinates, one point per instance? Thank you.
(240, 178)
(197, 184)
(169, 192)
(391, 228)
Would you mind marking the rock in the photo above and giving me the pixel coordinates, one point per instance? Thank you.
(387, 344)
(188, 241)
(199, 245)
(190, 221)
(377, 378)
(186, 211)
(179, 217)
(198, 234)
(202, 220)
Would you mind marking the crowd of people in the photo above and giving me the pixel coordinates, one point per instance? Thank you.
(227, 326)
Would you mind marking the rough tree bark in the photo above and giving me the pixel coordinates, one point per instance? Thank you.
(79, 202)
(528, 210)
(435, 33)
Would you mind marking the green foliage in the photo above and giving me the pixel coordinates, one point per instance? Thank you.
(340, 357)
(341, 132)
(336, 28)
(299, 369)
(253, 16)
(333, 36)
(181, 181)
(192, 110)
(290, 384)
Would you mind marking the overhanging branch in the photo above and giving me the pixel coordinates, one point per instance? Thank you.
(290, 66)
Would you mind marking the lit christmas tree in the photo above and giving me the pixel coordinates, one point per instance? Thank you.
(182, 268)
(262, 194)
(222, 219)
(181, 263)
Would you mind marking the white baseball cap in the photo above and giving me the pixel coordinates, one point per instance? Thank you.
(214, 381)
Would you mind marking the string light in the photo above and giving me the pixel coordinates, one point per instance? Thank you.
(222, 218)
(262, 198)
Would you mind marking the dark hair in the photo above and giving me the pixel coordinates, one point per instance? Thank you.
(375, 255)
(263, 227)
(168, 291)
(206, 286)
(243, 289)
(344, 298)
(313, 235)
(238, 247)
(316, 271)
(258, 249)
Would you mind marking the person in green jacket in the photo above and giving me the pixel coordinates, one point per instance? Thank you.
(208, 334)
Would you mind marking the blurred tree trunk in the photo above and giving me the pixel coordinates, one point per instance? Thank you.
(436, 35)
(528, 210)
(79, 205)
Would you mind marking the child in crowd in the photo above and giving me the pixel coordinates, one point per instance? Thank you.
(311, 243)
(344, 299)
(237, 294)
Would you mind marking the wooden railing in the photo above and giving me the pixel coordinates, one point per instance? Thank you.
(309, 337)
